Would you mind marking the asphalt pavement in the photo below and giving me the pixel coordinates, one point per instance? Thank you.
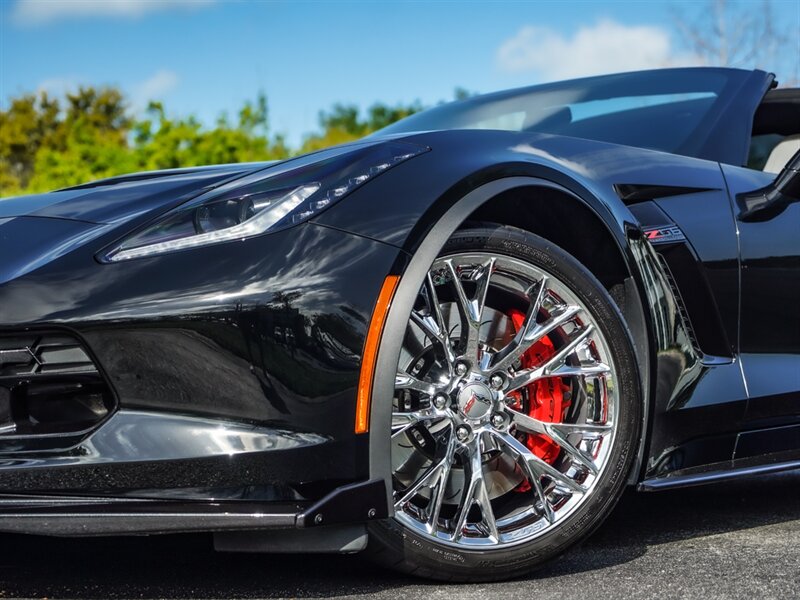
(734, 540)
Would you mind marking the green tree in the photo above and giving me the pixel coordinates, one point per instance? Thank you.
(43, 146)
(46, 143)
(29, 123)
(89, 141)
(344, 123)
(162, 142)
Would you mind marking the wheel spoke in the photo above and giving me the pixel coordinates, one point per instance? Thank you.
(531, 332)
(566, 370)
(525, 422)
(536, 464)
(403, 421)
(524, 378)
(536, 333)
(576, 454)
(474, 492)
(487, 512)
(533, 479)
(467, 495)
(558, 432)
(412, 491)
(558, 359)
(404, 381)
(536, 484)
(471, 309)
(523, 339)
(436, 311)
(591, 428)
(441, 461)
(439, 488)
(428, 326)
(553, 365)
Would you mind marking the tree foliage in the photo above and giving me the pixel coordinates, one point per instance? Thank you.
(49, 143)
(43, 140)
(164, 143)
(344, 123)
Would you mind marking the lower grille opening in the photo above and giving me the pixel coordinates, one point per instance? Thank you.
(49, 385)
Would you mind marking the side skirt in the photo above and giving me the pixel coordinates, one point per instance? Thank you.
(724, 472)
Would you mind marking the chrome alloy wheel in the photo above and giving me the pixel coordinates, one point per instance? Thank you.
(465, 469)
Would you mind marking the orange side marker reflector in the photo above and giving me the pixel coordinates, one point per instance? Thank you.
(370, 354)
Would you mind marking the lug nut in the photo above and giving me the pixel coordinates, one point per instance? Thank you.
(498, 421)
(440, 401)
(496, 381)
(461, 369)
(462, 433)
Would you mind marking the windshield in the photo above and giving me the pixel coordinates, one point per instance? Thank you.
(672, 110)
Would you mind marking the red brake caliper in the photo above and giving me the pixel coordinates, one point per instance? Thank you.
(548, 399)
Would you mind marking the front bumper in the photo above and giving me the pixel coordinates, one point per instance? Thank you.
(233, 367)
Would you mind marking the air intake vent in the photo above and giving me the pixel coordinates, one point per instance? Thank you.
(49, 385)
(680, 303)
(43, 355)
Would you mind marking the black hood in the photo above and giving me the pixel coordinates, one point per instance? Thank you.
(121, 198)
(40, 228)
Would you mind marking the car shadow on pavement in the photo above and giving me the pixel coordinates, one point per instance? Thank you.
(644, 520)
(186, 566)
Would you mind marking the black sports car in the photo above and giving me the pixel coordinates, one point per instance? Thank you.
(453, 343)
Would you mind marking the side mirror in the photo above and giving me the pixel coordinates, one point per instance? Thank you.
(770, 201)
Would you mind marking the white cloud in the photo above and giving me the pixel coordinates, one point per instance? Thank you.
(58, 86)
(153, 88)
(34, 12)
(606, 47)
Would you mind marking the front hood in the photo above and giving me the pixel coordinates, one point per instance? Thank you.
(121, 198)
(27, 243)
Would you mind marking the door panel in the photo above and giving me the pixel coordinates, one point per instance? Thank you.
(770, 306)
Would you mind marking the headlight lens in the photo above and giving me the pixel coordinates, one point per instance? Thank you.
(272, 199)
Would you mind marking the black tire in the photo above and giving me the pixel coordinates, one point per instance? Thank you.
(398, 547)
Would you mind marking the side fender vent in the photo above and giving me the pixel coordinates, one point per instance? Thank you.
(684, 314)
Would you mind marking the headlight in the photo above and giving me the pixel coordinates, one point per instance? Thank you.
(272, 199)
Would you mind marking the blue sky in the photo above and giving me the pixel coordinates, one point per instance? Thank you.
(209, 56)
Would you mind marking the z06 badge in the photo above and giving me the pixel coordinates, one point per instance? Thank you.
(664, 234)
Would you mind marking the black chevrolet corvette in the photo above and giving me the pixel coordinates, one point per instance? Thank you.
(453, 343)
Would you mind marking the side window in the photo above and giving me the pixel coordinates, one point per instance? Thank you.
(761, 146)
(776, 131)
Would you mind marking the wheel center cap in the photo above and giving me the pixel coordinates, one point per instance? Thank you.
(475, 401)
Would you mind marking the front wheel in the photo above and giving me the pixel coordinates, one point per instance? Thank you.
(516, 411)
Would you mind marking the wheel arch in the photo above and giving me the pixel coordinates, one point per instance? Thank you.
(497, 201)
(555, 214)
